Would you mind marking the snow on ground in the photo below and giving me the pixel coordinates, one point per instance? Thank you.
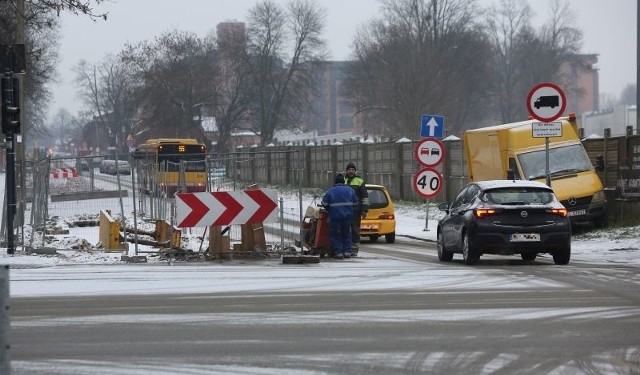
(619, 245)
(97, 271)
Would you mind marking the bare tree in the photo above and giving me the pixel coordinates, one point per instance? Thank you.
(41, 33)
(232, 107)
(78, 7)
(524, 56)
(508, 27)
(175, 79)
(107, 91)
(62, 128)
(628, 96)
(284, 50)
(419, 57)
(41, 26)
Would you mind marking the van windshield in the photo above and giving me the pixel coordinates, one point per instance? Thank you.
(562, 160)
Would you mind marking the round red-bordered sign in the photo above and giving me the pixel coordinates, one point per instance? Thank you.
(428, 182)
(429, 152)
(546, 102)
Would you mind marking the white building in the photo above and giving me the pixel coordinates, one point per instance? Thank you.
(616, 119)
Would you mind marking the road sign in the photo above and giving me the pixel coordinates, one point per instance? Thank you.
(546, 102)
(546, 129)
(64, 173)
(432, 126)
(130, 142)
(226, 208)
(429, 152)
(428, 182)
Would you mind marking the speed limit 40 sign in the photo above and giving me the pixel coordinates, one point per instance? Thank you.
(427, 182)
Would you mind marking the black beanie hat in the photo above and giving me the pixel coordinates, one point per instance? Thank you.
(350, 165)
(339, 179)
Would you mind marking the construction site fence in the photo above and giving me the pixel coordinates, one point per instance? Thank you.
(55, 193)
(63, 193)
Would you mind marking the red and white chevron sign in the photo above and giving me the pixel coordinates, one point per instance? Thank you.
(64, 172)
(226, 207)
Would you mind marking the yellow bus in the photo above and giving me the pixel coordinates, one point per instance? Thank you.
(169, 165)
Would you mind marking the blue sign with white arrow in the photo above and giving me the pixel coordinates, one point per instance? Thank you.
(432, 126)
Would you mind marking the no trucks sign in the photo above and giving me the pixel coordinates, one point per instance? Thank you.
(546, 102)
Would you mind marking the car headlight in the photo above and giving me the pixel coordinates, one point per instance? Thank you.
(598, 197)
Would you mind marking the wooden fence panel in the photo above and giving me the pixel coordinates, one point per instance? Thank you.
(394, 165)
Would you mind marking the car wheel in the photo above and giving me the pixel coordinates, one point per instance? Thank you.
(390, 238)
(469, 254)
(527, 257)
(374, 238)
(562, 256)
(443, 254)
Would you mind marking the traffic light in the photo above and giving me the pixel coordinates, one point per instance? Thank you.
(10, 109)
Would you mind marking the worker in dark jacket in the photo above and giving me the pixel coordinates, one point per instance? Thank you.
(357, 184)
(340, 201)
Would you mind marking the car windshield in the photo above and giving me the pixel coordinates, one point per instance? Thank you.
(562, 160)
(516, 196)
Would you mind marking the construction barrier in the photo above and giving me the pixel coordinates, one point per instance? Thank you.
(64, 173)
(110, 233)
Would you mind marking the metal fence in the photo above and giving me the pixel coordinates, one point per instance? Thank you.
(63, 192)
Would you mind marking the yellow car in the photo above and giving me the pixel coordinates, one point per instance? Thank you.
(381, 219)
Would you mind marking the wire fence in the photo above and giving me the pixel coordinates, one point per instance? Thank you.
(63, 195)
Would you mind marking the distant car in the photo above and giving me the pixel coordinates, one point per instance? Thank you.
(83, 164)
(88, 163)
(121, 167)
(381, 219)
(504, 217)
(113, 168)
(105, 165)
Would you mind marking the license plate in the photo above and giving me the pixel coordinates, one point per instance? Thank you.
(369, 227)
(525, 237)
(578, 212)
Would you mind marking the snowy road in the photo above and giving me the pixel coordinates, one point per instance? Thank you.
(394, 309)
(372, 314)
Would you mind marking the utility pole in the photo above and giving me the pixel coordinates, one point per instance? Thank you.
(20, 138)
(12, 67)
(10, 89)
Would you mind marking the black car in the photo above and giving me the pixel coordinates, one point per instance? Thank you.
(504, 217)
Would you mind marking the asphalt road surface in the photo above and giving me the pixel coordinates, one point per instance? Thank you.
(587, 323)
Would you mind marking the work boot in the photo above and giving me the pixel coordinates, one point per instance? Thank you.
(347, 255)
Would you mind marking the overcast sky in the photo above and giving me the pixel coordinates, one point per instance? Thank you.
(609, 30)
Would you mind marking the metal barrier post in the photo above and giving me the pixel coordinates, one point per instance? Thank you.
(281, 223)
(426, 218)
(5, 363)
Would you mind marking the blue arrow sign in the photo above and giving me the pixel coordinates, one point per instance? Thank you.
(432, 126)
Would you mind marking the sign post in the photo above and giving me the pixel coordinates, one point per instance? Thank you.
(546, 102)
(429, 152)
